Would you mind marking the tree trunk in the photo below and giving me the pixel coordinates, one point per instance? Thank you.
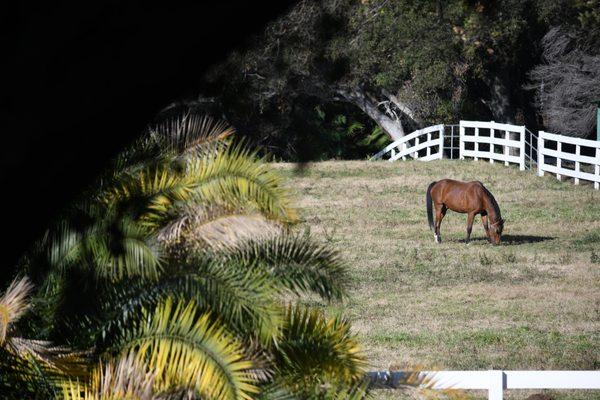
(501, 107)
(369, 106)
(500, 104)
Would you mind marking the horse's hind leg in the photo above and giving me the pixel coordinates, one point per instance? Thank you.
(470, 218)
(440, 213)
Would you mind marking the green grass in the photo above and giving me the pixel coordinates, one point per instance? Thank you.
(531, 303)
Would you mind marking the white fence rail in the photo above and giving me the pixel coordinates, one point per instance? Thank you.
(493, 136)
(504, 143)
(494, 381)
(431, 139)
(586, 152)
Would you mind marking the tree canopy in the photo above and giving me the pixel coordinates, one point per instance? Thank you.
(401, 64)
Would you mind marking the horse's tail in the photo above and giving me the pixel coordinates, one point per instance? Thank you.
(430, 205)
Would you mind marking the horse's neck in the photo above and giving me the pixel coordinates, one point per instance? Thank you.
(491, 211)
(493, 215)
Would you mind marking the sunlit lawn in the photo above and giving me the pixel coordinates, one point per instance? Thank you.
(531, 303)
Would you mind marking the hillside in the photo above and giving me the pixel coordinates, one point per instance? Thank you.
(530, 303)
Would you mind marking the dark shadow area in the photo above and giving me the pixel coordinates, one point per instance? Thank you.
(84, 79)
(524, 239)
(511, 240)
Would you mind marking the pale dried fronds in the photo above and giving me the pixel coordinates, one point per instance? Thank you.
(216, 227)
(125, 378)
(13, 304)
(189, 133)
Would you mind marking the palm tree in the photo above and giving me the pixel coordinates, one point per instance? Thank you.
(178, 265)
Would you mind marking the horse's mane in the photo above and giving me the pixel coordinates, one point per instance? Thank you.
(494, 202)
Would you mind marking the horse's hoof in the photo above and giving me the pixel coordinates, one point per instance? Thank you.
(438, 239)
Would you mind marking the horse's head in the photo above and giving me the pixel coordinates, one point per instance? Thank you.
(496, 231)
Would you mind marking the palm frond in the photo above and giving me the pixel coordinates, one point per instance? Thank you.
(190, 132)
(112, 247)
(244, 301)
(230, 177)
(296, 261)
(124, 378)
(24, 378)
(60, 359)
(236, 176)
(200, 227)
(176, 136)
(29, 365)
(343, 392)
(186, 350)
(314, 349)
(13, 304)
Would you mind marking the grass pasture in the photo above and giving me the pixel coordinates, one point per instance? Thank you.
(531, 303)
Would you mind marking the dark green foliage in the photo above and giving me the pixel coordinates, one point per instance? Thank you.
(401, 64)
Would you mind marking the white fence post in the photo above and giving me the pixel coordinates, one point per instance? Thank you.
(506, 148)
(492, 148)
(416, 153)
(522, 149)
(497, 384)
(461, 141)
(597, 169)
(558, 160)
(428, 147)
(476, 144)
(577, 153)
(540, 153)
(441, 146)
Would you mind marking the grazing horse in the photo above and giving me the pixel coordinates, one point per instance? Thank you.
(464, 197)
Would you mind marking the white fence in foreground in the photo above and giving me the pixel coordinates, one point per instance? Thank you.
(563, 156)
(495, 382)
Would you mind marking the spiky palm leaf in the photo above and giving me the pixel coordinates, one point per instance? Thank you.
(176, 136)
(126, 378)
(315, 350)
(296, 261)
(186, 350)
(111, 246)
(190, 132)
(243, 300)
(238, 176)
(230, 177)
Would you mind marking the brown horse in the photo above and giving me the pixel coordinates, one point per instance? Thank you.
(464, 197)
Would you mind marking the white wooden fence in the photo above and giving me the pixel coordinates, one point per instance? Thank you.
(504, 143)
(410, 145)
(563, 159)
(493, 136)
(494, 381)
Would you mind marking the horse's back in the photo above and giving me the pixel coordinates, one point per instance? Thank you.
(457, 195)
(452, 184)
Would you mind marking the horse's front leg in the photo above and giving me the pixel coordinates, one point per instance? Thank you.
(484, 220)
(470, 218)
